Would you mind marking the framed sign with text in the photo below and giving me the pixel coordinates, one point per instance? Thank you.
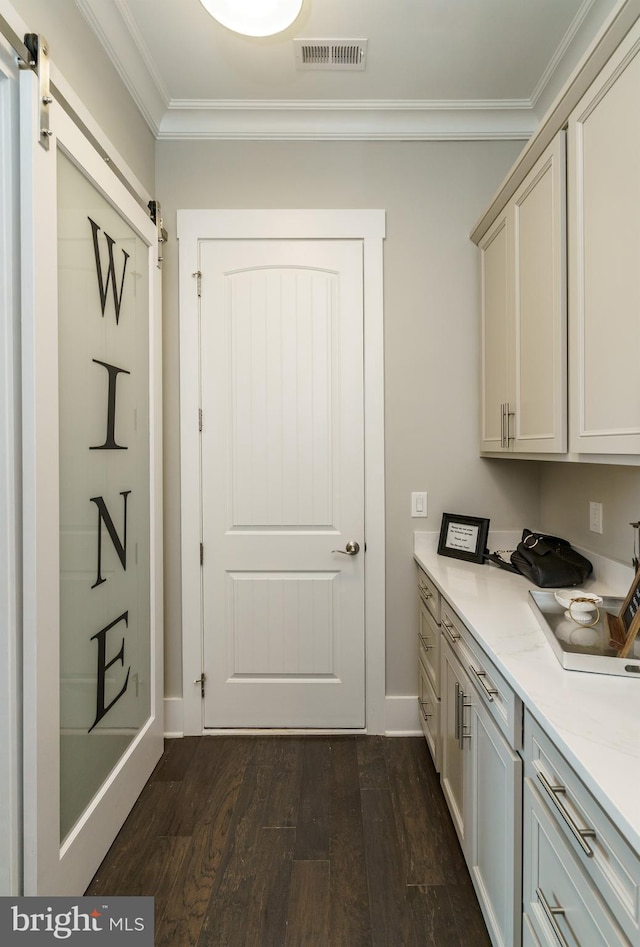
(463, 537)
(624, 627)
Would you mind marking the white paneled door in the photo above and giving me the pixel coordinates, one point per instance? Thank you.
(281, 326)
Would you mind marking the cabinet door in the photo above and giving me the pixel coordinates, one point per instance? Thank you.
(562, 904)
(604, 255)
(493, 829)
(429, 646)
(454, 690)
(429, 708)
(497, 327)
(539, 232)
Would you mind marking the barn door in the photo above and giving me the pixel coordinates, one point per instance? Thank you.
(92, 620)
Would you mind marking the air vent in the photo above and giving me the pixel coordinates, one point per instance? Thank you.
(335, 54)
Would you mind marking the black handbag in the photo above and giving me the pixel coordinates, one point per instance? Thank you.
(549, 561)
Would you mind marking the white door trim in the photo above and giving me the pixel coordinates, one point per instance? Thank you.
(10, 570)
(365, 225)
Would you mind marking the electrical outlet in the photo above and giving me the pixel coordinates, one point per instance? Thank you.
(595, 517)
(418, 504)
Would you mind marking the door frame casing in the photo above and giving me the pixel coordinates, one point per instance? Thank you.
(10, 549)
(194, 226)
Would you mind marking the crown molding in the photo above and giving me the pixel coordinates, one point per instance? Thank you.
(561, 51)
(331, 120)
(115, 27)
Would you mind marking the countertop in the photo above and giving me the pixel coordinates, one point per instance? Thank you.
(594, 719)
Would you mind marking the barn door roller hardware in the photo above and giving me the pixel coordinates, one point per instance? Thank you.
(38, 60)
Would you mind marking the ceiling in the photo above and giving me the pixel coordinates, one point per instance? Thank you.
(435, 68)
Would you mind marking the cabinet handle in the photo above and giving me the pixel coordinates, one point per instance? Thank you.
(580, 834)
(457, 713)
(425, 593)
(453, 634)
(481, 675)
(461, 704)
(551, 917)
(505, 414)
(423, 640)
(423, 704)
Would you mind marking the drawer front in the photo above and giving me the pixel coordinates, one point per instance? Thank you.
(429, 594)
(429, 645)
(497, 695)
(597, 845)
(562, 904)
(429, 709)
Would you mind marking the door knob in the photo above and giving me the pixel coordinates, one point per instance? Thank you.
(351, 549)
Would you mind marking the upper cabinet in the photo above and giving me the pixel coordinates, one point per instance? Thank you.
(560, 263)
(523, 402)
(604, 258)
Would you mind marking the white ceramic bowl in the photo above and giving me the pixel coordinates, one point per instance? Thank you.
(578, 611)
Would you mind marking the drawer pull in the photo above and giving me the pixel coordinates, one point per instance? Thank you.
(453, 634)
(423, 641)
(580, 834)
(423, 704)
(425, 593)
(481, 675)
(551, 917)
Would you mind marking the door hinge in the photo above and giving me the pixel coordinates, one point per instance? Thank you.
(198, 276)
(200, 680)
(155, 213)
(201, 554)
(200, 419)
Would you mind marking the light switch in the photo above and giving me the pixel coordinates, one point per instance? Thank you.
(418, 504)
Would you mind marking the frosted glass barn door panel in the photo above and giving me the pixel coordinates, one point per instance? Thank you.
(93, 722)
(282, 483)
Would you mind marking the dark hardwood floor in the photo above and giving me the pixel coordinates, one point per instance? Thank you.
(290, 841)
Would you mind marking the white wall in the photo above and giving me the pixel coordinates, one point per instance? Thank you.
(565, 492)
(432, 193)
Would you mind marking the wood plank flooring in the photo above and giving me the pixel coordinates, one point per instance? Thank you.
(294, 841)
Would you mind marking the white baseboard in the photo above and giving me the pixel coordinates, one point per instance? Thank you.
(401, 716)
(173, 719)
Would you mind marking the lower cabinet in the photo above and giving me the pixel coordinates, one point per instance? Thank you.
(481, 778)
(560, 904)
(549, 866)
(429, 715)
(454, 684)
(494, 824)
(581, 878)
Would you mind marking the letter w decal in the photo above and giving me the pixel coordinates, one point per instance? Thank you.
(103, 284)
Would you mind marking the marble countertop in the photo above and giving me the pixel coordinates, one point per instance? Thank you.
(594, 719)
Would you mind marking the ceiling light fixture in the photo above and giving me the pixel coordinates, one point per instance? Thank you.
(254, 17)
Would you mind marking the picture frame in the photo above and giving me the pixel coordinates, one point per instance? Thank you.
(463, 537)
(624, 627)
